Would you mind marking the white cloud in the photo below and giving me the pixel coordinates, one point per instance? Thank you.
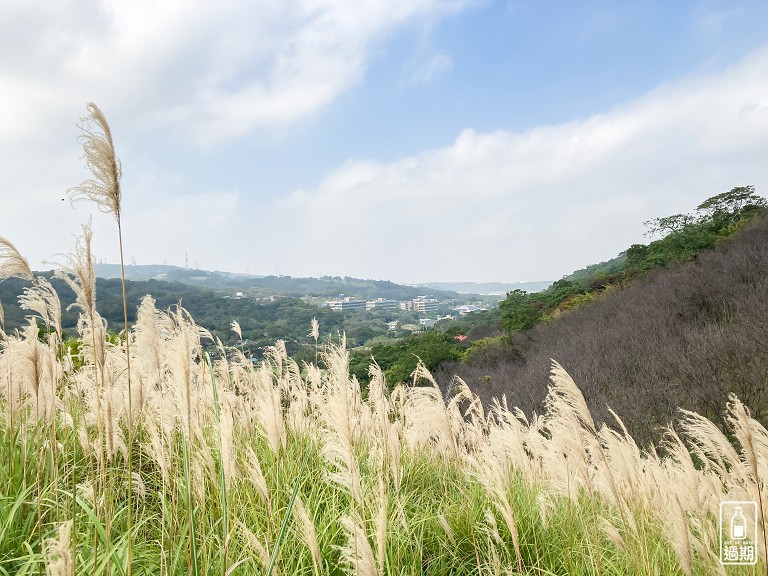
(212, 70)
(537, 204)
(198, 70)
(424, 68)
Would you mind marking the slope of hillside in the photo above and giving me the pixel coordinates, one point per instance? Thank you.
(684, 337)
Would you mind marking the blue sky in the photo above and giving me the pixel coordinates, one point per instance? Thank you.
(414, 141)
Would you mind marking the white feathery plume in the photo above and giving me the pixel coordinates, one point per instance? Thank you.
(80, 273)
(565, 398)
(613, 534)
(447, 528)
(12, 263)
(495, 478)
(426, 418)
(340, 430)
(252, 542)
(58, 551)
(138, 485)
(42, 299)
(235, 326)
(753, 438)
(357, 553)
(156, 449)
(255, 475)
(270, 409)
(100, 159)
(147, 347)
(308, 531)
(491, 528)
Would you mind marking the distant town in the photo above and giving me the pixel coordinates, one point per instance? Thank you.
(420, 304)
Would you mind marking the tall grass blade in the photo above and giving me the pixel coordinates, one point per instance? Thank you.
(288, 511)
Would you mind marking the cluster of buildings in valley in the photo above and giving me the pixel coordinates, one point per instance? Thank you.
(420, 304)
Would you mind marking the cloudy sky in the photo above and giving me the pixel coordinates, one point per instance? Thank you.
(409, 140)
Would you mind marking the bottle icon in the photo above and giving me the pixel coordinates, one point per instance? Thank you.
(738, 524)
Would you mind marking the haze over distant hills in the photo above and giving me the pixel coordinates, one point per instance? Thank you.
(487, 288)
(330, 285)
(325, 286)
(170, 274)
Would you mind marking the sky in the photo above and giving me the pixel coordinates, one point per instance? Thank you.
(403, 140)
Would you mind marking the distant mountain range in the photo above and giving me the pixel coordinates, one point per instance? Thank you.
(487, 288)
(323, 287)
(328, 286)
(170, 274)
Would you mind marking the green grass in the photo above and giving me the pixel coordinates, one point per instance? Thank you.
(417, 541)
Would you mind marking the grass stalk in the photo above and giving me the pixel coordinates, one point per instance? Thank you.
(288, 512)
(9, 411)
(129, 515)
(193, 560)
(222, 481)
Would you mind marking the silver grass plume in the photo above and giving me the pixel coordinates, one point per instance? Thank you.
(58, 552)
(235, 326)
(491, 528)
(80, 274)
(43, 299)
(251, 541)
(308, 533)
(99, 155)
(315, 332)
(255, 475)
(565, 399)
(447, 528)
(753, 438)
(12, 263)
(147, 347)
(357, 554)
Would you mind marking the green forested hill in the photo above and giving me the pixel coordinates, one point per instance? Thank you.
(268, 308)
(262, 321)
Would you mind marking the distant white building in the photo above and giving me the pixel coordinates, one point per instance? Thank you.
(424, 304)
(392, 325)
(468, 308)
(427, 323)
(380, 304)
(344, 304)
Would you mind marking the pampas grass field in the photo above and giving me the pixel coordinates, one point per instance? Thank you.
(296, 470)
(161, 451)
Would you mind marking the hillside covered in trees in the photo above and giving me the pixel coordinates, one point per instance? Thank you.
(680, 322)
(262, 320)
